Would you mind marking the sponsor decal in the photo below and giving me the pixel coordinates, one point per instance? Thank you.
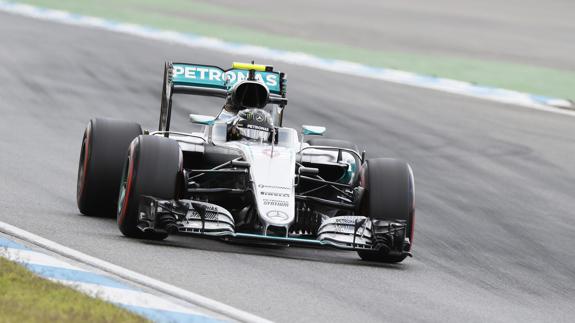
(279, 203)
(275, 187)
(214, 76)
(344, 229)
(345, 221)
(275, 194)
(277, 215)
(256, 127)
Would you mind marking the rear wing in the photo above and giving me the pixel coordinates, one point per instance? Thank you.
(209, 80)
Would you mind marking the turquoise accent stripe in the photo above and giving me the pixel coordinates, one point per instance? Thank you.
(75, 276)
(282, 239)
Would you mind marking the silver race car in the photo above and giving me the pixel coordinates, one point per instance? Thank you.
(244, 176)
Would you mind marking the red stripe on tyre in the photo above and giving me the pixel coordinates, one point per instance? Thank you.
(86, 144)
(128, 184)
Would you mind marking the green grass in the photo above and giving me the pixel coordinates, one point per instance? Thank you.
(25, 297)
(175, 15)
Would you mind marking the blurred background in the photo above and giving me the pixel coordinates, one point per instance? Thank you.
(524, 45)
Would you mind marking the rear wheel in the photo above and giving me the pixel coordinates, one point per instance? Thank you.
(153, 167)
(104, 147)
(389, 195)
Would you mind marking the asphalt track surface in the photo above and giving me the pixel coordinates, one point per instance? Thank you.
(532, 32)
(495, 186)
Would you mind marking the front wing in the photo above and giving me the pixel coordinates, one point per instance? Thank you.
(349, 232)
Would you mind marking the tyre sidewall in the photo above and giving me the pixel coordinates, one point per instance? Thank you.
(155, 166)
(389, 195)
(386, 182)
(104, 146)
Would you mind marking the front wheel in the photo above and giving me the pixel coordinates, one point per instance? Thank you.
(389, 195)
(153, 167)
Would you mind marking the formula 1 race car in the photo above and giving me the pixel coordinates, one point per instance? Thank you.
(244, 176)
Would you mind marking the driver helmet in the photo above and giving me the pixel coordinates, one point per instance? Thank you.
(251, 124)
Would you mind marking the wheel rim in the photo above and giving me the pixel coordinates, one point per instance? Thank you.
(82, 168)
(125, 186)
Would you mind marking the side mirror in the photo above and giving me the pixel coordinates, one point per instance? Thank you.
(308, 170)
(313, 130)
(202, 119)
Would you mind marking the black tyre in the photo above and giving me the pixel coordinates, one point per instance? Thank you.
(332, 143)
(389, 195)
(153, 167)
(104, 147)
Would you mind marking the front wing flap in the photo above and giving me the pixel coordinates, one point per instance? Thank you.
(350, 232)
(184, 216)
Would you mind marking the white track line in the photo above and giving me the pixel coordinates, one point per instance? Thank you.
(132, 276)
(35, 258)
(126, 297)
(537, 102)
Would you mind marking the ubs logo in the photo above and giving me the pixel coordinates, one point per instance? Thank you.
(277, 215)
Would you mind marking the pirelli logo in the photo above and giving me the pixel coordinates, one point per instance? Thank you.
(274, 194)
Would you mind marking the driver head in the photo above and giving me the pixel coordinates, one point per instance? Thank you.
(251, 124)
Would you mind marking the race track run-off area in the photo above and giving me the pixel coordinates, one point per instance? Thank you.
(494, 183)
